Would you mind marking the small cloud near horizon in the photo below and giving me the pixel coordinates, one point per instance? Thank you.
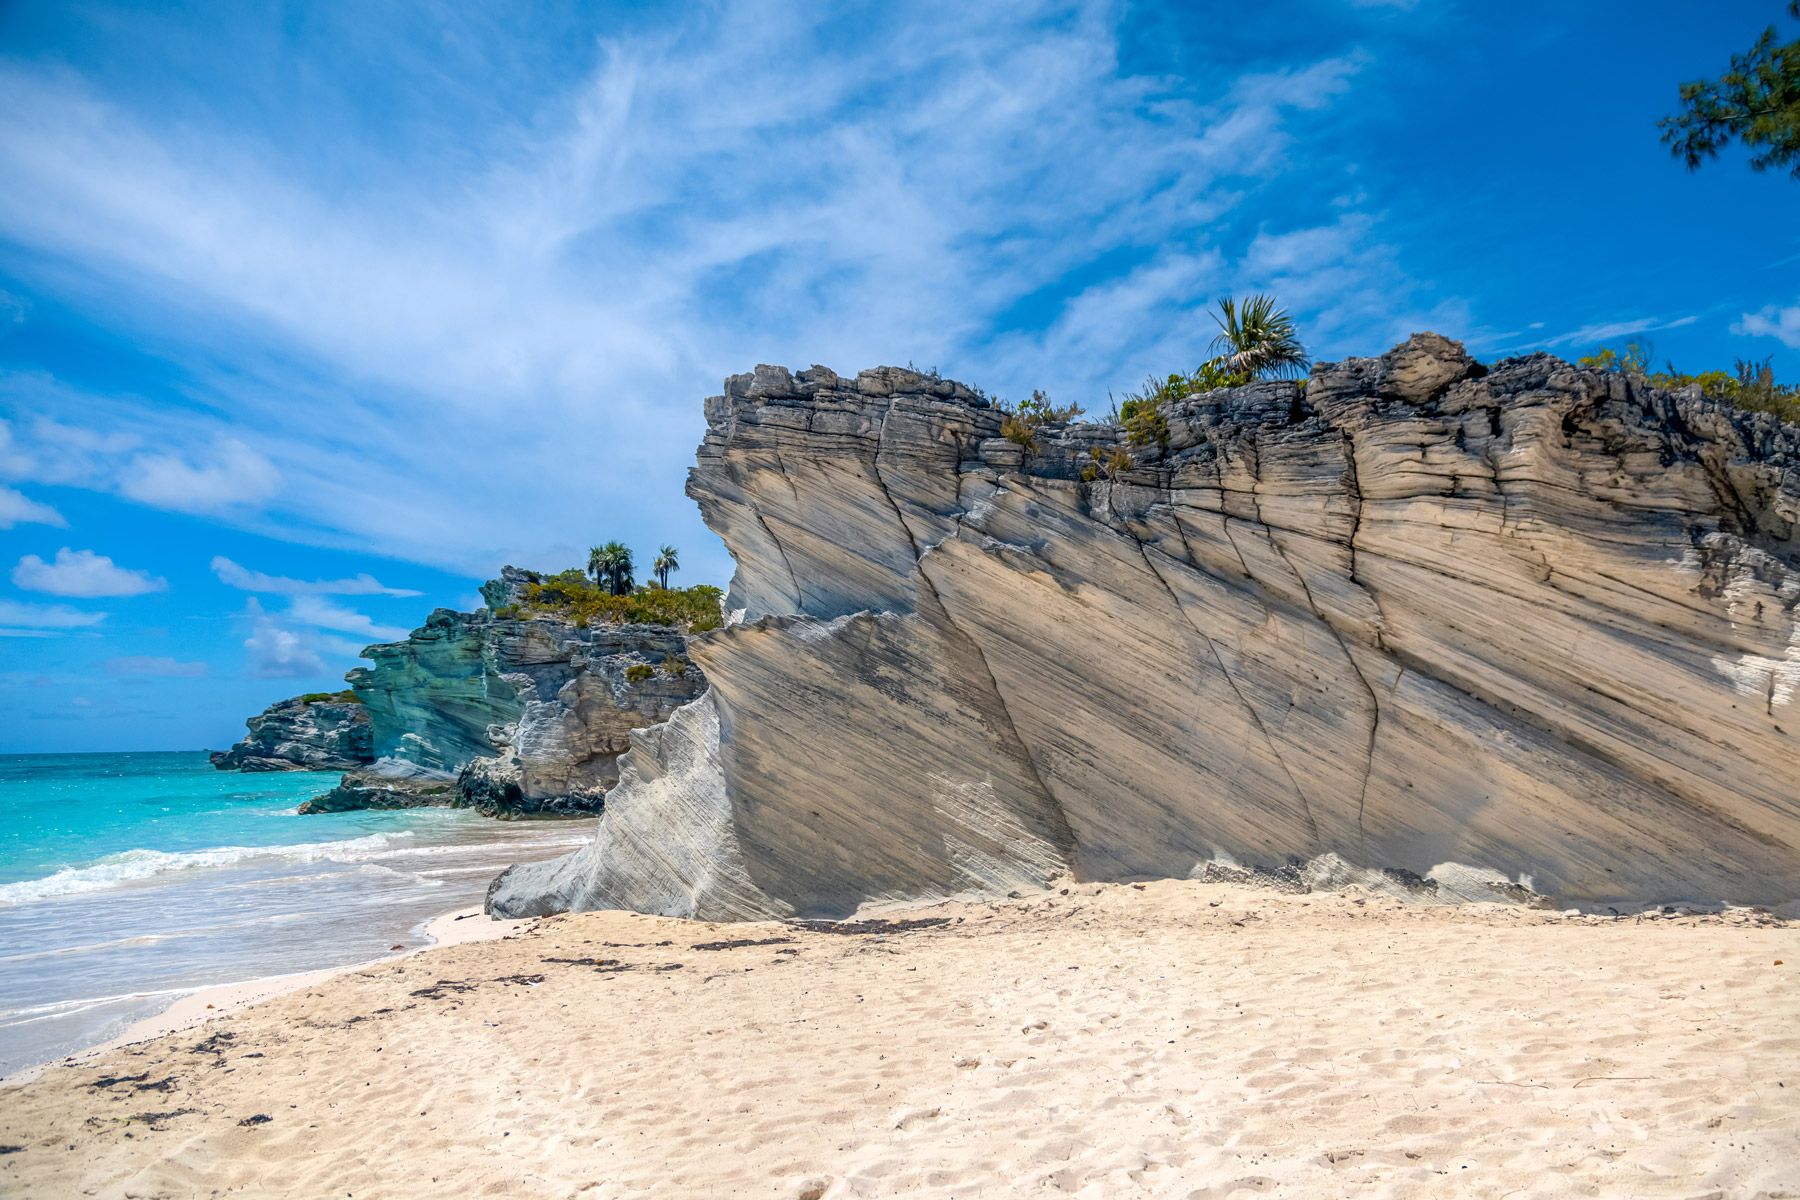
(1782, 324)
(47, 616)
(153, 666)
(276, 651)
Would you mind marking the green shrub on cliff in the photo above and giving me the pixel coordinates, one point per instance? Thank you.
(344, 697)
(1749, 385)
(639, 672)
(1020, 422)
(574, 597)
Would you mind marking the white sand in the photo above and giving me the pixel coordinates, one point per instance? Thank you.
(1176, 1039)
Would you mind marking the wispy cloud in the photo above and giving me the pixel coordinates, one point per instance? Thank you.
(153, 667)
(1605, 331)
(83, 573)
(244, 579)
(229, 474)
(16, 508)
(47, 616)
(620, 247)
(224, 476)
(323, 614)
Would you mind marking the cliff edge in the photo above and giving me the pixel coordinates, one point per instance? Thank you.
(1474, 632)
(316, 732)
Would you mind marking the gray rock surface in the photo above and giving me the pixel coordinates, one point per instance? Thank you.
(518, 716)
(298, 735)
(1465, 631)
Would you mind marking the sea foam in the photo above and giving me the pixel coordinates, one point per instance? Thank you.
(135, 866)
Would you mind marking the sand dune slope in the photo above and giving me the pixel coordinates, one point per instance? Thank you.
(1178, 1039)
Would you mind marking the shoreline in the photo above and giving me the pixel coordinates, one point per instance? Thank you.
(1169, 1039)
(189, 1010)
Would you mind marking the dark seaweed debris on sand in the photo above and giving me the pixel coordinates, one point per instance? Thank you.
(136, 1081)
(737, 943)
(613, 966)
(873, 926)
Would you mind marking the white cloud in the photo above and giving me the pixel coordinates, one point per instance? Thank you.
(244, 579)
(1783, 324)
(277, 651)
(232, 475)
(323, 614)
(418, 334)
(16, 508)
(1606, 331)
(154, 667)
(229, 474)
(83, 573)
(47, 616)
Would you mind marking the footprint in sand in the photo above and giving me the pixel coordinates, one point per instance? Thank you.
(918, 1118)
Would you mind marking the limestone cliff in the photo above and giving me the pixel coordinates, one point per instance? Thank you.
(1478, 632)
(517, 716)
(306, 733)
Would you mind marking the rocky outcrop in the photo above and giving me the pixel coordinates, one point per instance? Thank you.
(384, 789)
(516, 716)
(1473, 632)
(303, 734)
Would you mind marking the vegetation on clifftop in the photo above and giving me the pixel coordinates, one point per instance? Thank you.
(611, 566)
(344, 697)
(1748, 385)
(574, 597)
(1020, 422)
(1256, 340)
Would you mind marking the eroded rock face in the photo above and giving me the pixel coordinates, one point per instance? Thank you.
(1476, 632)
(514, 717)
(297, 735)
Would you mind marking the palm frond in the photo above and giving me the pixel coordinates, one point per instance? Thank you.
(1257, 338)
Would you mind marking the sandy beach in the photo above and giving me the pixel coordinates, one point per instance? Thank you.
(1168, 1039)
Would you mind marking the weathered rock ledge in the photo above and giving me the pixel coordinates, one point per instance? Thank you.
(303, 734)
(515, 717)
(1488, 632)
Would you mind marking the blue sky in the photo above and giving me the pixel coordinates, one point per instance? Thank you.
(313, 315)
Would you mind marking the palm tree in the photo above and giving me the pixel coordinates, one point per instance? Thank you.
(1258, 339)
(667, 559)
(611, 565)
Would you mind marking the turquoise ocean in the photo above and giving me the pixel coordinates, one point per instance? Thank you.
(129, 880)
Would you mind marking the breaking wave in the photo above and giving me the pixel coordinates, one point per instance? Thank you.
(134, 866)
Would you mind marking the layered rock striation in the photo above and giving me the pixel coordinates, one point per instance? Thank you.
(1475, 632)
(303, 734)
(522, 716)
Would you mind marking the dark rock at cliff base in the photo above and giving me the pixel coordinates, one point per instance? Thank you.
(494, 787)
(303, 734)
(371, 790)
(1519, 630)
